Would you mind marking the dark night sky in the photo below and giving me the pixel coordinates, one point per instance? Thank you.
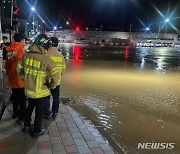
(112, 14)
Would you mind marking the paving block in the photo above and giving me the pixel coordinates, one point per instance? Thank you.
(61, 152)
(32, 150)
(59, 120)
(44, 145)
(69, 120)
(53, 127)
(77, 135)
(55, 140)
(112, 152)
(84, 149)
(5, 145)
(97, 151)
(58, 148)
(80, 142)
(19, 140)
(31, 142)
(19, 134)
(105, 147)
(18, 151)
(85, 132)
(89, 137)
(68, 141)
(71, 125)
(96, 134)
(71, 149)
(46, 151)
(92, 129)
(61, 124)
(5, 151)
(6, 137)
(93, 144)
(82, 127)
(65, 135)
(43, 138)
(54, 133)
(100, 140)
(74, 130)
(63, 129)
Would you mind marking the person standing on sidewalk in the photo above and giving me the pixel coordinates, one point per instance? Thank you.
(14, 53)
(40, 75)
(3, 47)
(58, 58)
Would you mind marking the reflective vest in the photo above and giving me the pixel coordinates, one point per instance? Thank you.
(39, 73)
(58, 58)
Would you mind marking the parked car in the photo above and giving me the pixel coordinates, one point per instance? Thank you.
(158, 44)
(177, 45)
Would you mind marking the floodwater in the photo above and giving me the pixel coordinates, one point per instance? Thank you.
(132, 93)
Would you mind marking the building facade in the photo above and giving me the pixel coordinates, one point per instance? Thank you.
(5, 10)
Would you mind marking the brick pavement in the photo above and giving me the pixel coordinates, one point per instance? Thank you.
(67, 134)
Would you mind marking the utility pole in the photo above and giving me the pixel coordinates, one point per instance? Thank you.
(41, 27)
(11, 20)
(130, 29)
(0, 21)
(100, 32)
(159, 30)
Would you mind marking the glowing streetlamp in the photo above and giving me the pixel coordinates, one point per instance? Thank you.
(147, 28)
(167, 20)
(55, 28)
(33, 9)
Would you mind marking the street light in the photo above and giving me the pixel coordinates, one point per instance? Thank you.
(167, 20)
(33, 9)
(55, 28)
(147, 29)
(67, 23)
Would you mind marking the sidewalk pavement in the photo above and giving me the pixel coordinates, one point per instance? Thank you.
(69, 133)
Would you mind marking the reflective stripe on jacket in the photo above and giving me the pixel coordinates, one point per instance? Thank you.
(58, 58)
(39, 72)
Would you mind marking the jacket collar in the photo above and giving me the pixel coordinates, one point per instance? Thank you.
(37, 49)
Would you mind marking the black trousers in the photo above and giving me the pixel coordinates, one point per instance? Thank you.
(39, 105)
(55, 105)
(19, 102)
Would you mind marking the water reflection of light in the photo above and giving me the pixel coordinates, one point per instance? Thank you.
(142, 63)
(126, 52)
(76, 64)
(160, 63)
(77, 51)
(143, 53)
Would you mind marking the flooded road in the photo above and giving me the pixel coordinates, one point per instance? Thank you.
(134, 94)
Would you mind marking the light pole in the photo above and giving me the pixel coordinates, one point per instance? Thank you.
(0, 22)
(11, 32)
(166, 21)
(100, 33)
(33, 10)
(54, 31)
(42, 21)
(130, 29)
